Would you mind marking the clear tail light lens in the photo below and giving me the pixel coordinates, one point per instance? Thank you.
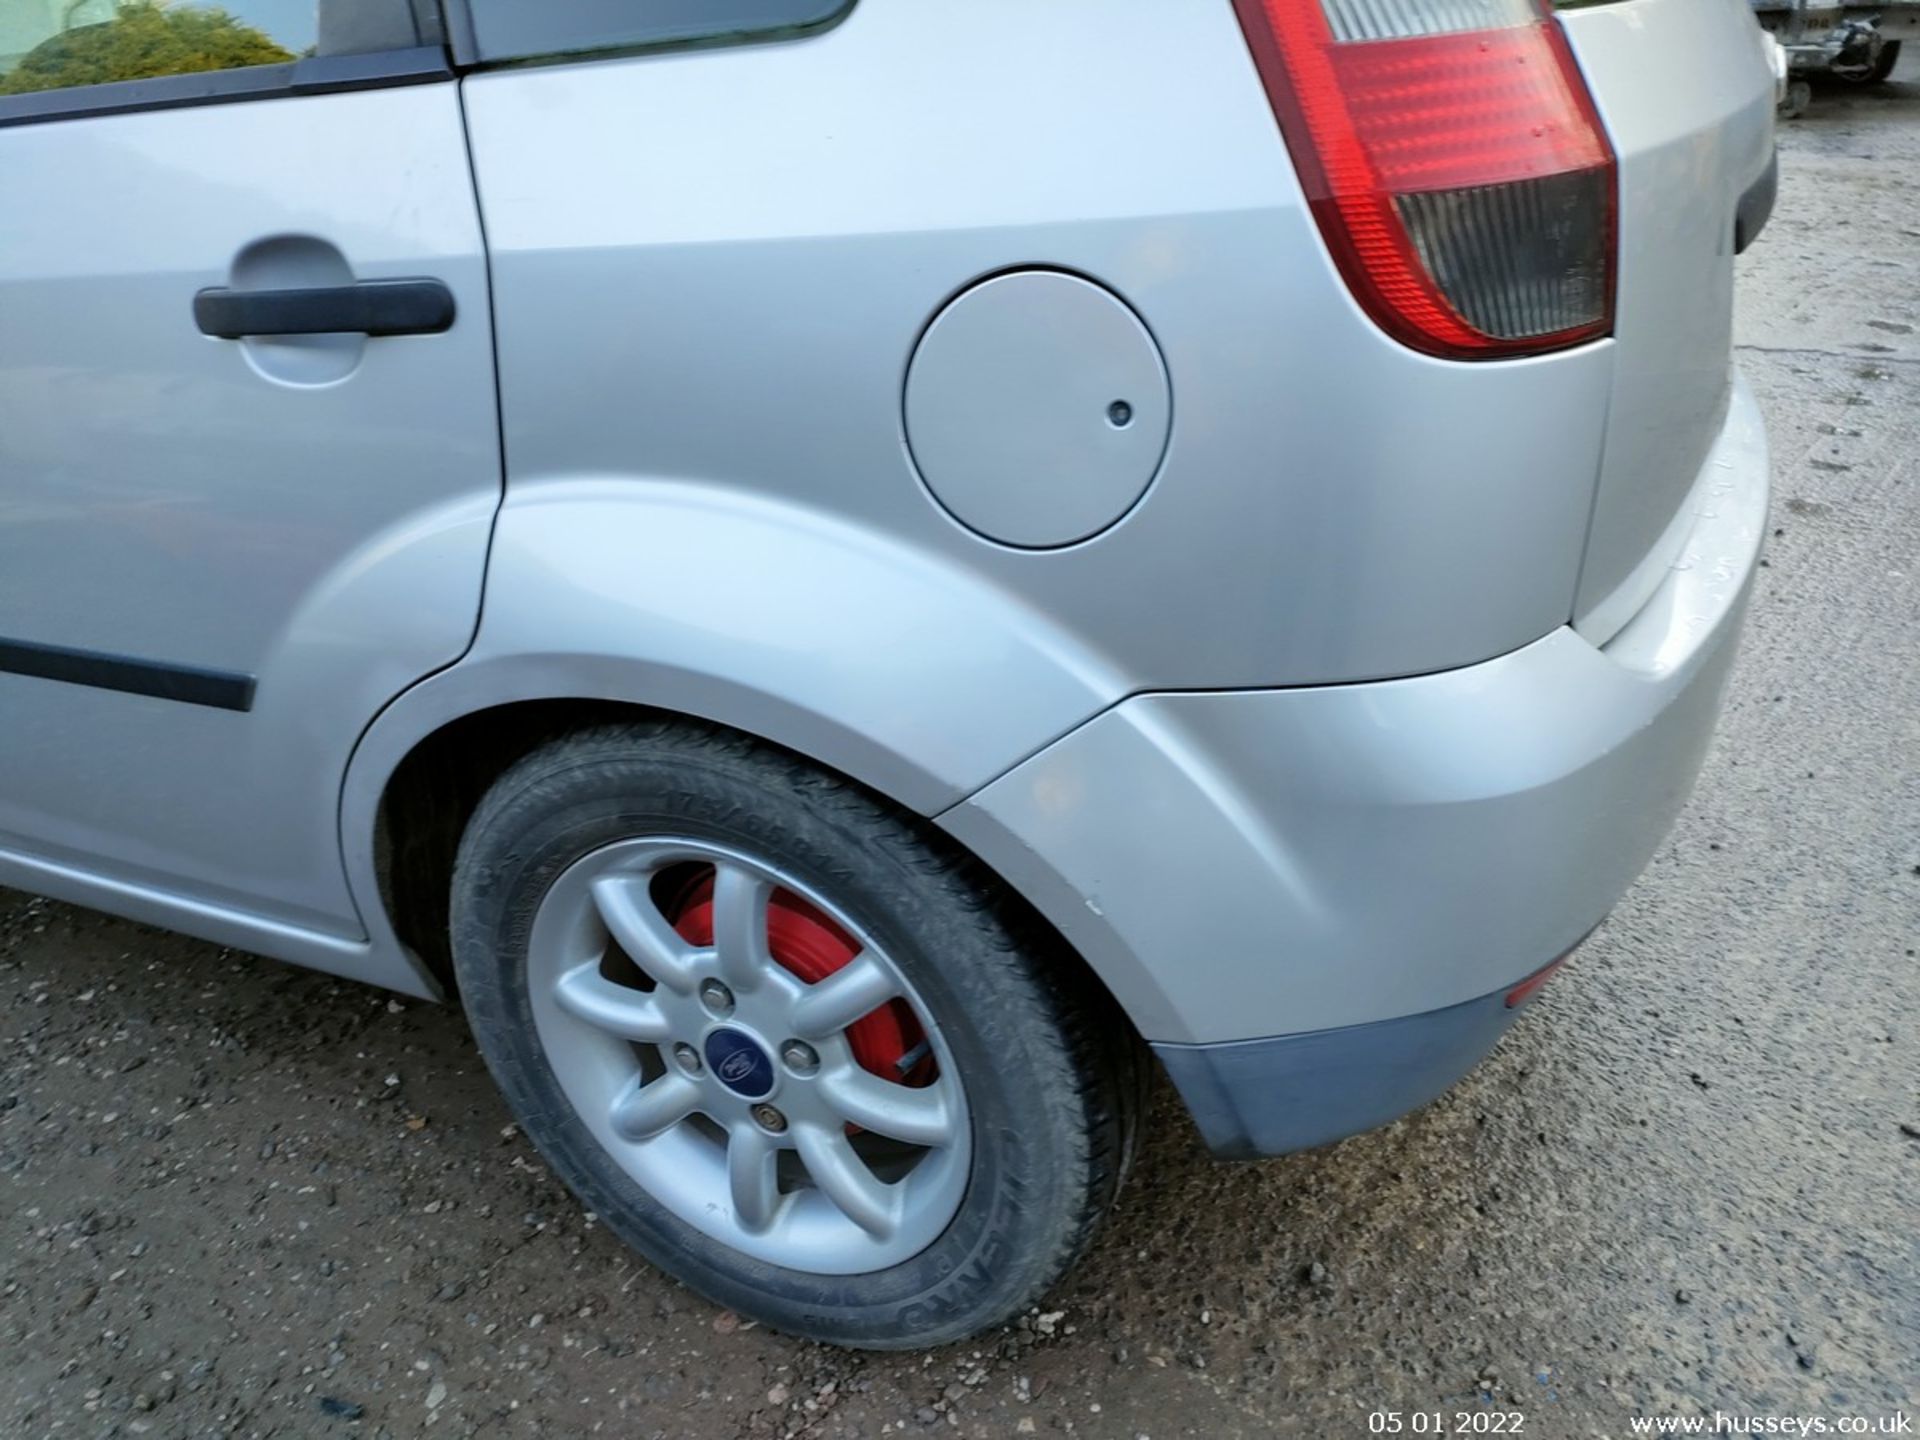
(1455, 163)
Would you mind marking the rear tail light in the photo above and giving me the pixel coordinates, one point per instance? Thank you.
(1455, 162)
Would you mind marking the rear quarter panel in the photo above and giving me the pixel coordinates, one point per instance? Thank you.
(711, 268)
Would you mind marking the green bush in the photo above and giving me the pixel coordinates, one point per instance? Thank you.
(145, 38)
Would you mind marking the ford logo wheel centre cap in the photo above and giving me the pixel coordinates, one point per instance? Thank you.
(739, 1063)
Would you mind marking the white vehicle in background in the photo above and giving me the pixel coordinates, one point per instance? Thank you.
(1860, 44)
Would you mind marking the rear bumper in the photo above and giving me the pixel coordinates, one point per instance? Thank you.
(1354, 870)
(1292, 1092)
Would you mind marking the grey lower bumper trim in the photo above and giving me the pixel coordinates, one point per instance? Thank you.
(1292, 1092)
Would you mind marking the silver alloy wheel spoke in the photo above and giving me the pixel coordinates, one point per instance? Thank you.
(586, 994)
(858, 988)
(740, 926)
(642, 931)
(918, 1117)
(843, 1177)
(751, 1176)
(643, 1111)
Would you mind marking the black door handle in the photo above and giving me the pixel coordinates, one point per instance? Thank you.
(372, 307)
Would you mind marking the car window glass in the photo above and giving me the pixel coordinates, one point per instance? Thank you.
(59, 44)
(519, 29)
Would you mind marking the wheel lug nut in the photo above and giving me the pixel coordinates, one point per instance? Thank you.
(800, 1057)
(716, 997)
(769, 1119)
(688, 1057)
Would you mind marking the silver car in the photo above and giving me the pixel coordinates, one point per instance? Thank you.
(856, 577)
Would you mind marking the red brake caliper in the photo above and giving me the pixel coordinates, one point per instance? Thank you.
(809, 945)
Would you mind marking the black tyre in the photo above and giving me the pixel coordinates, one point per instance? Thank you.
(1880, 70)
(786, 1041)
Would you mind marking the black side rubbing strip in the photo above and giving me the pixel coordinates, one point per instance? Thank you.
(372, 307)
(190, 685)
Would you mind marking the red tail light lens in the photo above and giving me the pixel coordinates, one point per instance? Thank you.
(1455, 162)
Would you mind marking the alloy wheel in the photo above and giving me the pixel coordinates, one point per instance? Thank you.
(749, 1056)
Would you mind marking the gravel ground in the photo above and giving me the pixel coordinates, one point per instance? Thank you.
(241, 1200)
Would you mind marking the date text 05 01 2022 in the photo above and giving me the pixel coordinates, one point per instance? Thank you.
(1440, 1422)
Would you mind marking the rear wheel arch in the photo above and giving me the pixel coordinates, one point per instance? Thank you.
(411, 825)
(423, 764)
(875, 659)
(409, 800)
(428, 798)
